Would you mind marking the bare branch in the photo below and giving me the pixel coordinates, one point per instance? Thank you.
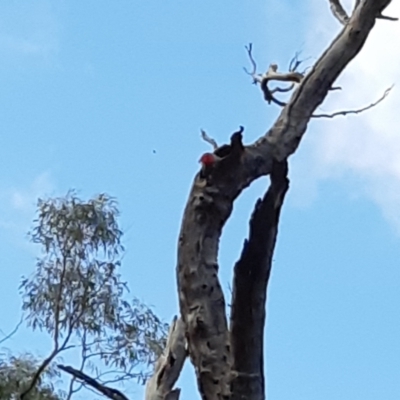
(209, 140)
(294, 62)
(358, 111)
(46, 362)
(273, 75)
(386, 17)
(288, 130)
(249, 50)
(111, 393)
(169, 365)
(339, 12)
(282, 90)
(84, 356)
(12, 333)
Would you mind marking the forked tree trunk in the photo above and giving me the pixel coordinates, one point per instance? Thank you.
(215, 351)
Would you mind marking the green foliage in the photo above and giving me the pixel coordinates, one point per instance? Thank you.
(75, 286)
(76, 293)
(17, 372)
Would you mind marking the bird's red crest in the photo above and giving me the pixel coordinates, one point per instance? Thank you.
(207, 159)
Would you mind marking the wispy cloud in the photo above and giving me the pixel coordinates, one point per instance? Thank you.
(366, 146)
(25, 199)
(19, 204)
(29, 29)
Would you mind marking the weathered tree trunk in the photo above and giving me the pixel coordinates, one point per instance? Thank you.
(201, 299)
(251, 276)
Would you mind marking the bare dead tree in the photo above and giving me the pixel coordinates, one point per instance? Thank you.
(221, 371)
(228, 361)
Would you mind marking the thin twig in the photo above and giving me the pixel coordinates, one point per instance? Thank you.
(111, 393)
(209, 139)
(282, 90)
(71, 389)
(249, 50)
(387, 18)
(358, 111)
(6, 337)
(273, 74)
(295, 63)
(46, 362)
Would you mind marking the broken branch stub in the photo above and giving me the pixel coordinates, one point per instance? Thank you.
(169, 366)
(249, 294)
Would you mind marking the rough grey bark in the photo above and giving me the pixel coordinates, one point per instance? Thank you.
(202, 302)
(251, 276)
(338, 11)
(210, 203)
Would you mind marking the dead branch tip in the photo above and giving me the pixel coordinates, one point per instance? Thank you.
(357, 111)
(209, 139)
(387, 18)
(295, 62)
(249, 50)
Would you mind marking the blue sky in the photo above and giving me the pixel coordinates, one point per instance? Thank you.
(110, 97)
